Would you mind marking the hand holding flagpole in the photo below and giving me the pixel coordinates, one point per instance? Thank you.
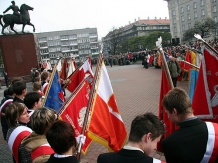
(159, 46)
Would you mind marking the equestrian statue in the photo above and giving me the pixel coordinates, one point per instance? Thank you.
(19, 16)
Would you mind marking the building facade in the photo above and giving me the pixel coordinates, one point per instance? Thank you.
(68, 43)
(139, 27)
(184, 13)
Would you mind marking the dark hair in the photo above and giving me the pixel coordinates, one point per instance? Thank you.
(13, 112)
(18, 87)
(6, 92)
(16, 79)
(44, 75)
(41, 119)
(36, 79)
(60, 136)
(144, 124)
(177, 98)
(37, 86)
(30, 99)
(10, 91)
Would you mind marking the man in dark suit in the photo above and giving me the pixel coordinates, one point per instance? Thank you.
(146, 130)
(191, 143)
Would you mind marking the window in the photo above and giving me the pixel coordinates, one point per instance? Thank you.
(174, 13)
(195, 14)
(183, 28)
(188, 8)
(175, 30)
(189, 26)
(182, 10)
(189, 17)
(202, 12)
(182, 18)
(214, 8)
(195, 5)
(202, 2)
(215, 19)
(174, 20)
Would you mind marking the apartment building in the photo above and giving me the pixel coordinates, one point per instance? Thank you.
(140, 27)
(67, 43)
(184, 13)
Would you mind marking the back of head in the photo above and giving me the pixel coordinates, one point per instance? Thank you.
(60, 136)
(144, 124)
(16, 79)
(10, 91)
(18, 87)
(31, 98)
(177, 98)
(13, 112)
(41, 119)
(37, 86)
(44, 75)
(37, 79)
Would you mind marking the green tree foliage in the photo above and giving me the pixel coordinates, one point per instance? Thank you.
(141, 42)
(205, 28)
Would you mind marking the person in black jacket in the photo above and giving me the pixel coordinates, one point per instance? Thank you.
(194, 141)
(146, 131)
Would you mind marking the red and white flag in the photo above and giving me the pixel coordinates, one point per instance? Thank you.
(79, 75)
(74, 111)
(106, 125)
(205, 99)
(71, 67)
(169, 126)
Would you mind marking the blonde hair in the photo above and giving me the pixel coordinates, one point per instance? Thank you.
(41, 119)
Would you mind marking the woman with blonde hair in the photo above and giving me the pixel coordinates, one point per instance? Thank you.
(36, 143)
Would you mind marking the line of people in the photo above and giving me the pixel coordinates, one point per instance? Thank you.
(42, 137)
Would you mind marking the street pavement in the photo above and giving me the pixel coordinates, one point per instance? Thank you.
(136, 91)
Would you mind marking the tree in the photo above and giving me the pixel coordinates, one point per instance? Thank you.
(115, 41)
(205, 28)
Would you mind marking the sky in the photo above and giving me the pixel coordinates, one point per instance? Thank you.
(105, 15)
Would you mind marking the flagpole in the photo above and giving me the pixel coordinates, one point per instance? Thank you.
(210, 47)
(158, 44)
(50, 81)
(90, 102)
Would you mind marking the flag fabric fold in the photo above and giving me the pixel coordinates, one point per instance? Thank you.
(71, 67)
(205, 99)
(79, 75)
(169, 126)
(54, 94)
(106, 125)
(74, 111)
(192, 83)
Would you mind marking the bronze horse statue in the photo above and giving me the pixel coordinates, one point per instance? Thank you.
(10, 19)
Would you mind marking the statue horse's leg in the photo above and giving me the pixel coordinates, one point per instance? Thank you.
(24, 24)
(3, 28)
(32, 26)
(12, 28)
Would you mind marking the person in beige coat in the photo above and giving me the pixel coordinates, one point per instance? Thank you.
(36, 142)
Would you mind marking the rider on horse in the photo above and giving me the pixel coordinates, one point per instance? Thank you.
(16, 10)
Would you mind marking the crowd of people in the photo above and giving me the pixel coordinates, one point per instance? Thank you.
(34, 133)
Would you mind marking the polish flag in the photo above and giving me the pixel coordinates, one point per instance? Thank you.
(205, 99)
(106, 125)
(79, 75)
(74, 111)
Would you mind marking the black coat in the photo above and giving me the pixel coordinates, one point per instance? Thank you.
(187, 144)
(125, 156)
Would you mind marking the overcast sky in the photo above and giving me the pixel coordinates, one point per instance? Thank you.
(55, 15)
